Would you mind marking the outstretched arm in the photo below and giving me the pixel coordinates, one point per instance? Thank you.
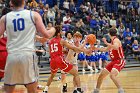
(41, 28)
(115, 45)
(74, 48)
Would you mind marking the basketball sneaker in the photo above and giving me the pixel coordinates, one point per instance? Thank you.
(96, 91)
(121, 91)
(40, 87)
(65, 88)
(45, 90)
(76, 91)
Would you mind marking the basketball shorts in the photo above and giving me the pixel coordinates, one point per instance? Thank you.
(59, 63)
(116, 64)
(3, 57)
(21, 68)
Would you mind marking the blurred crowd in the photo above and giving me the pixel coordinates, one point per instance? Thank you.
(93, 16)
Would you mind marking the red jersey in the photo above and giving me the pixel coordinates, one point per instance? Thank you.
(3, 42)
(55, 47)
(116, 54)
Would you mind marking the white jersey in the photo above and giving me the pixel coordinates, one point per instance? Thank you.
(21, 31)
(71, 56)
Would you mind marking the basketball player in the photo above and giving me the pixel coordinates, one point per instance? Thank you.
(72, 56)
(56, 45)
(69, 39)
(117, 61)
(21, 26)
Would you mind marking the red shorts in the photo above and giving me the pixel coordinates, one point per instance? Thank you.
(59, 63)
(3, 57)
(116, 64)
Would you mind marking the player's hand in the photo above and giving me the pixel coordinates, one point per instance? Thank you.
(88, 52)
(43, 40)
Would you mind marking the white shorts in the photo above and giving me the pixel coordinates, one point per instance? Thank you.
(21, 69)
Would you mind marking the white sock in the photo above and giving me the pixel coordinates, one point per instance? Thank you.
(97, 89)
(121, 89)
(46, 88)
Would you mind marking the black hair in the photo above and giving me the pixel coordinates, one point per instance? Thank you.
(113, 32)
(58, 29)
(68, 32)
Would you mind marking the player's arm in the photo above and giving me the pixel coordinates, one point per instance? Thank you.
(41, 28)
(2, 25)
(104, 49)
(115, 44)
(69, 46)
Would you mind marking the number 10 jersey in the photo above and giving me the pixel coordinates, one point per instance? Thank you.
(20, 30)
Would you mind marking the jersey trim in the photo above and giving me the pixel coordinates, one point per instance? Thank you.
(32, 17)
(5, 21)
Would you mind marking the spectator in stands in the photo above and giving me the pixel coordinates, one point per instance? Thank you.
(45, 18)
(138, 24)
(81, 27)
(134, 33)
(127, 33)
(121, 29)
(139, 10)
(47, 7)
(33, 4)
(51, 16)
(72, 7)
(41, 10)
(102, 22)
(67, 19)
(127, 46)
(136, 48)
(105, 29)
(55, 9)
(113, 21)
(93, 25)
(58, 19)
(95, 13)
(43, 2)
(66, 5)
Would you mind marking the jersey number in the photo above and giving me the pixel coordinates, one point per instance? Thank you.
(111, 54)
(19, 24)
(54, 47)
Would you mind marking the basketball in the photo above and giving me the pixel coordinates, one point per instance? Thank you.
(91, 39)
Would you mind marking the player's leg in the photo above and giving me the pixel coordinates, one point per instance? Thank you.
(74, 82)
(100, 79)
(114, 73)
(113, 76)
(50, 79)
(63, 80)
(32, 88)
(9, 88)
(76, 79)
(102, 75)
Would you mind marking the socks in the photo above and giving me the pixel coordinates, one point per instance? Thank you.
(65, 84)
(79, 89)
(46, 88)
(120, 89)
